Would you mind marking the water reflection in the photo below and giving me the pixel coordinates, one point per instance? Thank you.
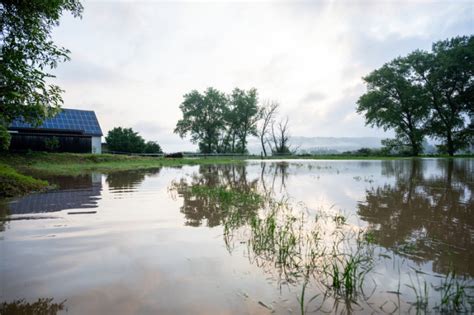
(129, 180)
(286, 251)
(79, 192)
(201, 209)
(427, 216)
(413, 209)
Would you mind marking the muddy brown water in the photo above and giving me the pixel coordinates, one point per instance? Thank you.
(149, 242)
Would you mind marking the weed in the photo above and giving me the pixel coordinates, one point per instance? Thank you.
(454, 293)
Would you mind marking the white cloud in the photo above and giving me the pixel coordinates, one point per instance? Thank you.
(133, 61)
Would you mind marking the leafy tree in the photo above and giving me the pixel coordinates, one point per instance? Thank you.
(203, 118)
(27, 52)
(241, 118)
(152, 147)
(217, 122)
(394, 102)
(447, 75)
(125, 140)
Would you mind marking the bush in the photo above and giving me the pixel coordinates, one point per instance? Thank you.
(4, 138)
(51, 144)
(152, 147)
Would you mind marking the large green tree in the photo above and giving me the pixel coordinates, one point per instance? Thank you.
(27, 52)
(217, 122)
(203, 118)
(447, 75)
(393, 101)
(241, 118)
(128, 141)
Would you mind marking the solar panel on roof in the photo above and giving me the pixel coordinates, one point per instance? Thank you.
(68, 119)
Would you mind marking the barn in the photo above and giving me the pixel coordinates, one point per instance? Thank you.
(71, 130)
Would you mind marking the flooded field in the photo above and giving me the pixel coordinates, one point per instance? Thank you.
(284, 237)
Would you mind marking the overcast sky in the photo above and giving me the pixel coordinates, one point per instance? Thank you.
(132, 62)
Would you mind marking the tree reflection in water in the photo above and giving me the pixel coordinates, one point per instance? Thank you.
(129, 180)
(279, 236)
(199, 208)
(425, 215)
(428, 217)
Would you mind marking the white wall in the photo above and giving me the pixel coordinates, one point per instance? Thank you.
(96, 145)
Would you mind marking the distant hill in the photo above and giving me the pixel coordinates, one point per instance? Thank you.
(324, 144)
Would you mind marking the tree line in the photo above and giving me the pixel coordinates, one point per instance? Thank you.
(424, 94)
(222, 123)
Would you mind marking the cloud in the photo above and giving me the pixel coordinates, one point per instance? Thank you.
(312, 97)
(133, 61)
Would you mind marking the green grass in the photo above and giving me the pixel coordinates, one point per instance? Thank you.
(75, 164)
(13, 183)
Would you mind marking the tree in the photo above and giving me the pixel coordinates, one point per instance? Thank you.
(267, 115)
(219, 123)
(281, 137)
(242, 117)
(125, 140)
(152, 147)
(203, 118)
(394, 102)
(447, 75)
(27, 52)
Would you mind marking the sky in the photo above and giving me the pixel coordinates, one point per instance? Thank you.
(132, 61)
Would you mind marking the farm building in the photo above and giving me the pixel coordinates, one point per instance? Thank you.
(71, 130)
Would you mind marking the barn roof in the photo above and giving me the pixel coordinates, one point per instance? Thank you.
(83, 121)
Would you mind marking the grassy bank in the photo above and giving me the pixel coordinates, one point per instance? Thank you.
(74, 164)
(13, 183)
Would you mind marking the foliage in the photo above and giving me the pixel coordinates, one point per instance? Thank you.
(394, 147)
(447, 75)
(425, 94)
(203, 118)
(217, 122)
(4, 138)
(51, 144)
(393, 101)
(241, 119)
(27, 52)
(42, 306)
(152, 147)
(128, 141)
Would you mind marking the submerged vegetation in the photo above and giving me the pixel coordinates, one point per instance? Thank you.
(331, 262)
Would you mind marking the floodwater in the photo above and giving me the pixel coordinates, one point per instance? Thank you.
(284, 237)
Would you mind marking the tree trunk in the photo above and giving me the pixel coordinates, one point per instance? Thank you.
(414, 147)
(450, 144)
(263, 145)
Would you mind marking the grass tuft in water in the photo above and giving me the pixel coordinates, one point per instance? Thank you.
(454, 294)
